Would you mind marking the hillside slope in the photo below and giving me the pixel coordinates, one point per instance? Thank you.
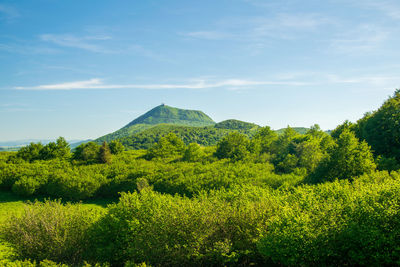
(205, 136)
(171, 115)
(162, 114)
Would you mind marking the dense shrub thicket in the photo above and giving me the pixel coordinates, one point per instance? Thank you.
(77, 182)
(330, 224)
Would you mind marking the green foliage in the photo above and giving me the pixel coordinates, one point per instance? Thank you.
(51, 231)
(336, 224)
(26, 263)
(162, 114)
(59, 149)
(292, 152)
(204, 136)
(25, 186)
(241, 202)
(264, 139)
(193, 153)
(30, 152)
(192, 127)
(381, 128)
(165, 230)
(88, 152)
(168, 147)
(116, 147)
(299, 130)
(349, 158)
(234, 146)
(340, 128)
(105, 153)
(167, 114)
(389, 164)
(236, 125)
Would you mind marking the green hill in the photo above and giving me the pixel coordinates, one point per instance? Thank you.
(205, 136)
(237, 125)
(162, 114)
(170, 115)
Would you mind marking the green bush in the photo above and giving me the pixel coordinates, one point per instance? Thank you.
(336, 224)
(25, 186)
(50, 231)
(166, 230)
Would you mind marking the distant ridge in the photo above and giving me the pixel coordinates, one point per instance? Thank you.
(190, 125)
(161, 114)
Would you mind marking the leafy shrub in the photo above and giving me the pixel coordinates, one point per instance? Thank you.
(336, 224)
(349, 158)
(165, 230)
(234, 146)
(25, 186)
(116, 147)
(51, 231)
(168, 147)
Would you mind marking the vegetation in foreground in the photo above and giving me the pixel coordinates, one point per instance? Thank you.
(289, 199)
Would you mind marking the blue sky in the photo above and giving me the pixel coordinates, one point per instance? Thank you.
(82, 69)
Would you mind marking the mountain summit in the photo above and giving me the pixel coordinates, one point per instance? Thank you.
(171, 115)
(161, 114)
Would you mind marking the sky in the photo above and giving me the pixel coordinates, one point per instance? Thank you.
(82, 69)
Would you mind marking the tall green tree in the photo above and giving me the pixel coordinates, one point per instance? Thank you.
(105, 153)
(347, 159)
(193, 153)
(168, 147)
(59, 149)
(116, 147)
(88, 152)
(234, 146)
(63, 148)
(30, 152)
(381, 129)
(264, 139)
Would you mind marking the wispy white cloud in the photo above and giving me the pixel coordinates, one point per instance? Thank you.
(294, 79)
(361, 39)
(100, 44)
(210, 35)
(289, 26)
(88, 43)
(27, 49)
(8, 13)
(389, 8)
(199, 84)
(377, 80)
(281, 26)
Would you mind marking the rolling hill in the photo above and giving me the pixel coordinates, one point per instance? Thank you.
(162, 114)
(205, 136)
(192, 126)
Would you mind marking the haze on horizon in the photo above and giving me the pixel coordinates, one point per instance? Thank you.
(82, 69)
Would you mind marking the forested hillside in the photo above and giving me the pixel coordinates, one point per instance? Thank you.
(190, 125)
(205, 136)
